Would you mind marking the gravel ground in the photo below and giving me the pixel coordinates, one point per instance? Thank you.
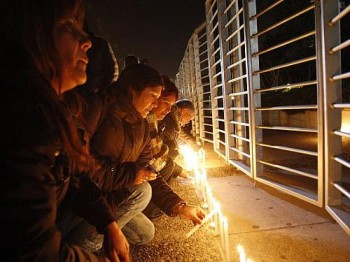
(170, 242)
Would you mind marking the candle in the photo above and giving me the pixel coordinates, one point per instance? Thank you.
(197, 178)
(227, 246)
(203, 181)
(203, 157)
(216, 217)
(242, 256)
(212, 224)
(206, 219)
(205, 196)
(210, 198)
(221, 229)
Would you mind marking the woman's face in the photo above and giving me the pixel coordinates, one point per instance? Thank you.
(71, 43)
(147, 99)
(164, 106)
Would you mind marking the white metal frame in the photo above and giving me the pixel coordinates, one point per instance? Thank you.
(335, 192)
(237, 70)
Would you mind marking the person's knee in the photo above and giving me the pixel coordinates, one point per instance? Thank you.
(139, 231)
(142, 195)
(147, 236)
(146, 191)
(143, 237)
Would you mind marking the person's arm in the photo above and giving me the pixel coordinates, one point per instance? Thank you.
(115, 244)
(164, 196)
(193, 213)
(177, 168)
(89, 203)
(169, 129)
(172, 204)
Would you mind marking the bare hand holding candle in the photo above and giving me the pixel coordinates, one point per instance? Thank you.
(205, 220)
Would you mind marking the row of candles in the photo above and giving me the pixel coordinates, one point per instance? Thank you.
(195, 161)
(219, 223)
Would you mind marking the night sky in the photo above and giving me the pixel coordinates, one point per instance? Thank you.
(156, 30)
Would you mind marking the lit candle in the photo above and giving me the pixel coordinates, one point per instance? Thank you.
(203, 167)
(227, 246)
(242, 256)
(221, 226)
(216, 216)
(205, 220)
(204, 181)
(203, 157)
(210, 198)
(204, 193)
(197, 178)
(212, 225)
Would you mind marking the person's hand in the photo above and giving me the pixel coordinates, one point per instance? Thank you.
(144, 175)
(195, 214)
(115, 244)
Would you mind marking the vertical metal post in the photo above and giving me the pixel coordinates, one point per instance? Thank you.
(224, 48)
(332, 91)
(251, 28)
(320, 103)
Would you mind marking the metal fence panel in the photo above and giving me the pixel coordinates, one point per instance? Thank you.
(335, 22)
(275, 84)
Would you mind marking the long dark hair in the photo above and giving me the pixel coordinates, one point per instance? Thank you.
(29, 50)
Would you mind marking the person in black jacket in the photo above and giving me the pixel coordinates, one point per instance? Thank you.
(123, 139)
(43, 55)
(162, 163)
(182, 112)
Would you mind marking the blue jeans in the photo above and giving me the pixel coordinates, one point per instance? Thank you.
(137, 228)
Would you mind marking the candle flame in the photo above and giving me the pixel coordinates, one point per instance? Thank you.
(240, 249)
(189, 156)
(242, 255)
(217, 205)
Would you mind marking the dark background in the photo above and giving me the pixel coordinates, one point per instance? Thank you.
(156, 30)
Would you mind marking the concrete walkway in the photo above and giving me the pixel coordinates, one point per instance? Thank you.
(272, 226)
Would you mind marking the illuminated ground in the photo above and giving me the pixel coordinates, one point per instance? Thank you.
(269, 225)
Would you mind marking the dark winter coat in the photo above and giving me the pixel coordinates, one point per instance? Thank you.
(162, 162)
(34, 176)
(123, 141)
(169, 131)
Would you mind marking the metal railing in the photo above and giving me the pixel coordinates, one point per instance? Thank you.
(195, 85)
(277, 91)
(337, 163)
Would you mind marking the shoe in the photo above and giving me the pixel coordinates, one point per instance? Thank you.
(156, 215)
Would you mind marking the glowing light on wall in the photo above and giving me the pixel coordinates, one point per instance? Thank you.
(345, 123)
